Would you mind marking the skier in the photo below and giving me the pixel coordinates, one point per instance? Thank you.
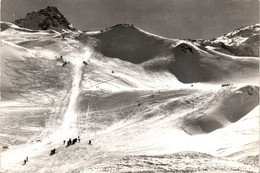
(69, 142)
(65, 63)
(52, 152)
(74, 141)
(89, 142)
(84, 62)
(61, 58)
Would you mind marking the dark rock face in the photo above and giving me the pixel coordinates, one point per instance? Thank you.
(45, 19)
(188, 67)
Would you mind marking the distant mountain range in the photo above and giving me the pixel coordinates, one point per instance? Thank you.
(241, 42)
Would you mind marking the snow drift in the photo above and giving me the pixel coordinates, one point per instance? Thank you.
(229, 108)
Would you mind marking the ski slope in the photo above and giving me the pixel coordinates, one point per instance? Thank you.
(140, 116)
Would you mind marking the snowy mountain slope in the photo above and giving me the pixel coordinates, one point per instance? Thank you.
(188, 62)
(128, 43)
(241, 42)
(229, 107)
(156, 135)
(139, 97)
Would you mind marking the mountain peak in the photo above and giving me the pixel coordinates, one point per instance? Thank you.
(245, 31)
(45, 19)
(243, 41)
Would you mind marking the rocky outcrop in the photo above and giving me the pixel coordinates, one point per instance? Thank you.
(45, 19)
(240, 42)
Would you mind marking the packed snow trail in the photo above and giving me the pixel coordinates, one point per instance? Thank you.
(69, 127)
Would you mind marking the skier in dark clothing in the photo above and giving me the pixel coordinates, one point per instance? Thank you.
(52, 152)
(69, 142)
(65, 63)
(89, 142)
(25, 161)
(74, 141)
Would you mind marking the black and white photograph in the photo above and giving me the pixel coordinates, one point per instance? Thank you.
(129, 86)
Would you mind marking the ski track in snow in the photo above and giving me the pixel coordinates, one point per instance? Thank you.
(69, 127)
(67, 130)
(122, 135)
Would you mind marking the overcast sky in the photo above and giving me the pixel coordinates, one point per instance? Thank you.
(170, 18)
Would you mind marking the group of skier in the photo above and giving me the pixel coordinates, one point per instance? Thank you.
(69, 142)
(67, 62)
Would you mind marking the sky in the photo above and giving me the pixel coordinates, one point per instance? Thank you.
(194, 19)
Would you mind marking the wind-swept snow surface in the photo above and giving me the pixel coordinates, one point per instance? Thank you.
(147, 103)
